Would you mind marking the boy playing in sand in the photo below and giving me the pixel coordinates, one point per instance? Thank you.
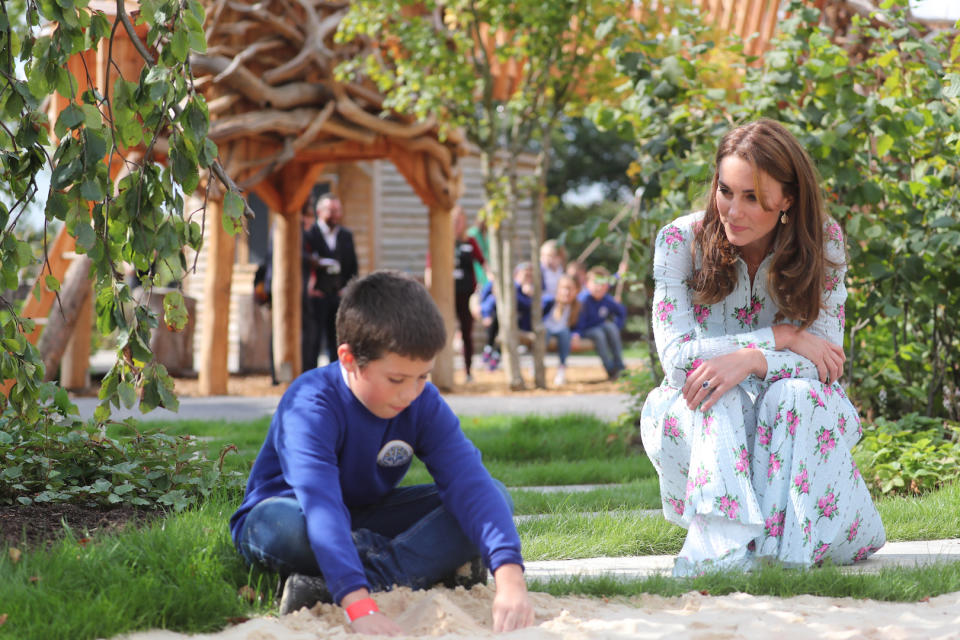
(322, 506)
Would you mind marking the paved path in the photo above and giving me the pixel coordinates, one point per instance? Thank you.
(607, 406)
(893, 554)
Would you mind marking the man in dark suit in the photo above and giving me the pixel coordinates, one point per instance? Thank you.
(332, 259)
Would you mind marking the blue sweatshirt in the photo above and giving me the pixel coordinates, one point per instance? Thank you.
(595, 312)
(322, 449)
(488, 306)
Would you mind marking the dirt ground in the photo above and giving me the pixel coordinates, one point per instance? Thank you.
(581, 379)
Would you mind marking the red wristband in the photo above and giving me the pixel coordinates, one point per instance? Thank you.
(361, 608)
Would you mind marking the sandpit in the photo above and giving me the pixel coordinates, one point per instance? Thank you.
(446, 614)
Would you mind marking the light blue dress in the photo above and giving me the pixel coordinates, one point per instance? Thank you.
(767, 471)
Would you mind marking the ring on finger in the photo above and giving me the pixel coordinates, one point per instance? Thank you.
(706, 384)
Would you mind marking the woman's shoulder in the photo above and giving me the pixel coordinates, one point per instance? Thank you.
(833, 240)
(680, 231)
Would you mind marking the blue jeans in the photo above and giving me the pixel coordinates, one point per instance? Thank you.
(563, 343)
(408, 539)
(606, 340)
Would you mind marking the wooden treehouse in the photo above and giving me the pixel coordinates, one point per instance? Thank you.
(283, 124)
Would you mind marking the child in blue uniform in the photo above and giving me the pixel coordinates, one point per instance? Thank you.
(322, 506)
(601, 320)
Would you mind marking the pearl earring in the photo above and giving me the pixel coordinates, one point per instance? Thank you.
(784, 218)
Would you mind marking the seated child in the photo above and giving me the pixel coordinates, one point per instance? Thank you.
(601, 319)
(523, 286)
(560, 315)
(322, 506)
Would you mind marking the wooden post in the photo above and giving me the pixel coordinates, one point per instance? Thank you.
(441, 288)
(63, 317)
(216, 309)
(286, 305)
(75, 366)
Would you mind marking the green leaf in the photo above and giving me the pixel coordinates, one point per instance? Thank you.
(175, 315)
(86, 237)
(52, 283)
(128, 394)
(232, 213)
(884, 144)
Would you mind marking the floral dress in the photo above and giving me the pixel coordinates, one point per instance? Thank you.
(767, 471)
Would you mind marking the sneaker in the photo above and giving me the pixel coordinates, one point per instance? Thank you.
(471, 573)
(561, 378)
(301, 591)
(487, 352)
(494, 360)
(469, 378)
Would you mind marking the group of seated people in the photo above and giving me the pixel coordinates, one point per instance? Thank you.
(577, 306)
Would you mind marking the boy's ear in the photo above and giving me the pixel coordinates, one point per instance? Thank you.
(345, 355)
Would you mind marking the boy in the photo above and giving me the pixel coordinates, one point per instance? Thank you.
(322, 498)
(601, 319)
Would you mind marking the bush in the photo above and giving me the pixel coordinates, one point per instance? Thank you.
(912, 455)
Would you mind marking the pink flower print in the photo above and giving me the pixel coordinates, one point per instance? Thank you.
(827, 504)
(825, 442)
(820, 551)
(854, 527)
(678, 505)
(827, 389)
(842, 425)
(773, 466)
(859, 426)
(701, 313)
(703, 477)
(816, 399)
(708, 423)
(834, 233)
(862, 553)
(764, 434)
(841, 315)
(793, 420)
(728, 506)
(743, 461)
(671, 428)
(664, 308)
(854, 469)
(747, 314)
(672, 237)
(687, 337)
(801, 482)
(807, 526)
(693, 366)
(830, 282)
(774, 524)
(784, 372)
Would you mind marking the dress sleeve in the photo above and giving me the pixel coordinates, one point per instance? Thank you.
(674, 316)
(829, 324)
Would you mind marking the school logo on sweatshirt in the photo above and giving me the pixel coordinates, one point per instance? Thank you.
(395, 453)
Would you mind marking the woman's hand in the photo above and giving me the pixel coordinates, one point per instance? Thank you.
(826, 356)
(511, 606)
(713, 378)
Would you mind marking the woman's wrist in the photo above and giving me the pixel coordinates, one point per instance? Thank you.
(783, 335)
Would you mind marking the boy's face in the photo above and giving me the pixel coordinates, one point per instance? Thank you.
(388, 385)
(597, 287)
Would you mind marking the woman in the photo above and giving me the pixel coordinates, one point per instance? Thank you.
(560, 315)
(749, 430)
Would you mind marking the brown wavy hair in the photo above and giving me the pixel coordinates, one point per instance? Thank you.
(796, 274)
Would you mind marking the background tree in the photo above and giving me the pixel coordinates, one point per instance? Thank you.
(112, 193)
(504, 72)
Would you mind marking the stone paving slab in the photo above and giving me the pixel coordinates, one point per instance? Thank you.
(893, 554)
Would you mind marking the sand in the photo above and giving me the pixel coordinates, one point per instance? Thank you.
(445, 614)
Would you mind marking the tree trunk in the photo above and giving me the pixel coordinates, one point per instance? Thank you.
(442, 290)
(507, 311)
(63, 317)
(536, 311)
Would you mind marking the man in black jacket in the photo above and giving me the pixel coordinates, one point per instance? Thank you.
(332, 260)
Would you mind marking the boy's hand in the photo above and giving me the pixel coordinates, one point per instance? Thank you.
(377, 624)
(374, 623)
(511, 606)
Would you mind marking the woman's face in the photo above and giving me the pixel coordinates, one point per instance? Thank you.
(749, 225)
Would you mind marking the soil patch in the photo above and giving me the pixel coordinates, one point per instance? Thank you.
(41, 524)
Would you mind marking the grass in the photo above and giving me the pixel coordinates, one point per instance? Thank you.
(182, 572)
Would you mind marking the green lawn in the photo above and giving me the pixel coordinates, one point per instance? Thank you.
(182, 573)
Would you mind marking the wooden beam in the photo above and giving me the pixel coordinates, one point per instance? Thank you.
(307, 176)
(412, 167)
(286, 305)
(441, 288)
(214, 346)
(75, 366)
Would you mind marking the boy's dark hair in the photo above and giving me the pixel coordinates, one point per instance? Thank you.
(389, 312)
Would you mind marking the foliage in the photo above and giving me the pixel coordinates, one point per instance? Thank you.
(68, 461)
(107, 187)
(884, 131)
(582, 155)
(911, 455)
